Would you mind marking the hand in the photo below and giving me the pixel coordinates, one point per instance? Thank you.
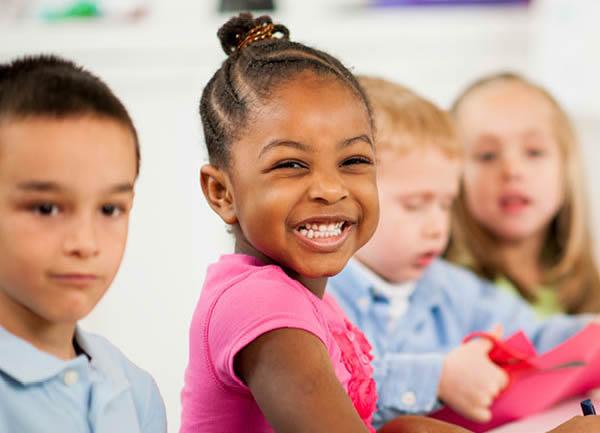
(470, 381)
(419, 424)
(595, 318)
(579, 424)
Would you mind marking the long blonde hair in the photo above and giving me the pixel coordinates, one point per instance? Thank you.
(567, 255)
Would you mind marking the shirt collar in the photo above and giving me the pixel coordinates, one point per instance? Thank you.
(102, 355)
(27, 364)
(355, 283)
(384, 290)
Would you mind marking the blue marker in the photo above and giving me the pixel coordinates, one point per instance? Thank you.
(587, 407)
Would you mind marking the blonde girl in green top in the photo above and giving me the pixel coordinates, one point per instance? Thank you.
(521, 218)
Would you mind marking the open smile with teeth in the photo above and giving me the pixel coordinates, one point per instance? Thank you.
(316, 231)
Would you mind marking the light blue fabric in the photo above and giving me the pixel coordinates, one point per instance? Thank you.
(106, 394)
(448, 303)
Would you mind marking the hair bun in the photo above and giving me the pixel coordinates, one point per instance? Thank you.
(235, 31)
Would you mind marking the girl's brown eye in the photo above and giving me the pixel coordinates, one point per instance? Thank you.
(357, 160)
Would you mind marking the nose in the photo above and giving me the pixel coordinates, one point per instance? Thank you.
(81, 238)
(328, 188)
(512, 166)
(436, 223)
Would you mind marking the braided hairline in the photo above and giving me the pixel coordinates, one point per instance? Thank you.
(241, 81)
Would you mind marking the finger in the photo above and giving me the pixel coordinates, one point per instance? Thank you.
(482, 345)
(480, 414)
(497, 330)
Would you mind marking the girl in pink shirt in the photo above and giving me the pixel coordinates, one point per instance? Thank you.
(290, 142)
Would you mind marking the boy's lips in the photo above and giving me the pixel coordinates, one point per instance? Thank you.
(324, 234)
(426, 258)
(74, 278)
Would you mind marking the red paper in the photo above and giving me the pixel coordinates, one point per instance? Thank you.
(535, 382)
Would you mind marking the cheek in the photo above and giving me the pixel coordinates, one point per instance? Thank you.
(26, 243)
(398, 227)
(552, 193)
(371, 203)
(114, 238)
(477, 179)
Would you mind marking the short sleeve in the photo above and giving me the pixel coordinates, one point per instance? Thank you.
(254, 306)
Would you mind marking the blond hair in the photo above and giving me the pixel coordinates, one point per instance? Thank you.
(404, 120)
(567, 255)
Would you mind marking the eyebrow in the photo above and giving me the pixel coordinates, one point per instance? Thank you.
(301, 146)
(46, 186)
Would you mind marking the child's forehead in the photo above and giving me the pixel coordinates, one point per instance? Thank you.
(505, 95)
(425, 167)
(418, 152)
(69, 151)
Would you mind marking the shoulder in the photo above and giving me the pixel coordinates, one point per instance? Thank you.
(113, 364)
(263, 292)
(455, 281)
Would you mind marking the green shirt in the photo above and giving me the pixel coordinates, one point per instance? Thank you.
(546, 303)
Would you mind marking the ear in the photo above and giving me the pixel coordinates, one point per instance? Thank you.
(217, 189)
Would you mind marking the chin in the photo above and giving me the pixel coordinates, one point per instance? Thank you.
(515, 234)
(72, 312)
(320, 269)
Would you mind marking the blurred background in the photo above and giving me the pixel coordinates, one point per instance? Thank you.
(158, 54)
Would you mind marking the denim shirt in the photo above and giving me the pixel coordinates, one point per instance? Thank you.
(103, 394)
(448, 303)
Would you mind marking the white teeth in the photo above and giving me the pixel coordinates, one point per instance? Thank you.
(317, 234)
(314, 231)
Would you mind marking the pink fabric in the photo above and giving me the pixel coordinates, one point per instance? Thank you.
(356, 355)
(241, 300)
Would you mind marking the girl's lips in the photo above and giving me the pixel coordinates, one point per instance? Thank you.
(326, 244)
(513, 203)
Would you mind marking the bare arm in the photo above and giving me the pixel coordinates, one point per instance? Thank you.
(579, 424)
(291, 378)
(420, 424)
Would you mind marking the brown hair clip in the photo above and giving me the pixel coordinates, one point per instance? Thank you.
(258, 33)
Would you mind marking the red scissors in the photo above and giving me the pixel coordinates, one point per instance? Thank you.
(513, 360)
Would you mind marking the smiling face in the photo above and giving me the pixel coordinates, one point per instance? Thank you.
(416, 190)
(513, 175)
(302, 178)
(66, 188)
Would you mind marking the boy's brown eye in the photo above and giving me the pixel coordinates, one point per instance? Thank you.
(110, 210)
(46, 209)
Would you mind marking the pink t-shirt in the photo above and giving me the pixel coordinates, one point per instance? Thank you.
(241, 300)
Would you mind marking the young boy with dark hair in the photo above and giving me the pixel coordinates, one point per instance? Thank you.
(69, 159)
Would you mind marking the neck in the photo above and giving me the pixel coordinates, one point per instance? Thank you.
(55, 339)
(522, 259)
(315, 285)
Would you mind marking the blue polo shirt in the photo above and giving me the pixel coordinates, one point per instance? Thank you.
(105, 393)
(447, 303)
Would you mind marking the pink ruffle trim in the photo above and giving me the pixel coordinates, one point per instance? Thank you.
(356, 355)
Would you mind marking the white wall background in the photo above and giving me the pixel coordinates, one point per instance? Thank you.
(159, 66)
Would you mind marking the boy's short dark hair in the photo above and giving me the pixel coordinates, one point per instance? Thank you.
(49, 86)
